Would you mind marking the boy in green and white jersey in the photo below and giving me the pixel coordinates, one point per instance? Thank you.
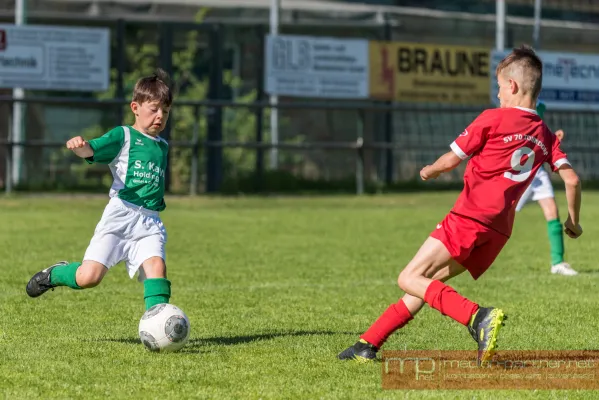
(130, 229)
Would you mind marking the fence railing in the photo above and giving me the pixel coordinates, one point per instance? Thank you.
(385, 149)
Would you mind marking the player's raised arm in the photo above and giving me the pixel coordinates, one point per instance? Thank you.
(466, 144)
(80, 147)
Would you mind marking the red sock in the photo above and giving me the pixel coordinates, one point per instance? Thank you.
(394, 317)
(449, 302)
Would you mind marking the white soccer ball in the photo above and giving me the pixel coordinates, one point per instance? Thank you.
(164, 328)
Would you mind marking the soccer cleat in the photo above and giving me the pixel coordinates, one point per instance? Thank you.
(563, 268)
(40, 282)
(361, 352)
(483, 327)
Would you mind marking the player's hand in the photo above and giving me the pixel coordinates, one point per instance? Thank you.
(428, 172)
(574, 231)
(76, 143)
(560, 134)
(80, 147)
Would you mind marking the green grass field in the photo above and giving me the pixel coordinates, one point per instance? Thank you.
(274, 289)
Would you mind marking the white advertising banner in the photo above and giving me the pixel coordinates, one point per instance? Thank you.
(305, 66)
(570, 80)
(54, 58)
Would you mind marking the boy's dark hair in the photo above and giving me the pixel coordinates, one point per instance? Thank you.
(156, 87)
(523, 63)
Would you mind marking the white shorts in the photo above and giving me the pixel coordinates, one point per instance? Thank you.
(540, 188)
(127, 233)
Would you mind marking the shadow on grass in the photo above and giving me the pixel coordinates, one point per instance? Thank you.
(195, 344)
(588, 272)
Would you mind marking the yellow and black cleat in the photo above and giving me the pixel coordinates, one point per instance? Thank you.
(361, 352)
(484, 328)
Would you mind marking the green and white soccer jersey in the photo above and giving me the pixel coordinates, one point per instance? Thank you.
(130, 229)
(138, 164)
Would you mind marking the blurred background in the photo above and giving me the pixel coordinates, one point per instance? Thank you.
(283, 96)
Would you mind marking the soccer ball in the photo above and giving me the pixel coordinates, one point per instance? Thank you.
(164, 328)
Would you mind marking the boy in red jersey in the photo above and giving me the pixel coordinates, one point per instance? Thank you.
(506, 147)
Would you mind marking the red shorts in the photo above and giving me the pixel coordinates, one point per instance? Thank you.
(472, 244)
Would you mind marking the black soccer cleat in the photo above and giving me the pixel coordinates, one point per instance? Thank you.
(40, 282)
(484, 327)
(361, 352)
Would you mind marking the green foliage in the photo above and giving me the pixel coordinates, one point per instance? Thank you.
(188, 124)
(239, 124)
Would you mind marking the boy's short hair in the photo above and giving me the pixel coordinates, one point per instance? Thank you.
(156, 87)
(524, 65)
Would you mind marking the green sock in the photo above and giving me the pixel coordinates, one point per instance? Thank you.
(556, 241)
(156, 291)
(65, 275)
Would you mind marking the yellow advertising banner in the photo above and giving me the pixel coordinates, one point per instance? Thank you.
(416, 72)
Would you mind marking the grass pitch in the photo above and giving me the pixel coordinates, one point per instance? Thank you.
(274, 289)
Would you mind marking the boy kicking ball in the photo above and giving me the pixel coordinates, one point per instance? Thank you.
(506, 146)
(130, 229)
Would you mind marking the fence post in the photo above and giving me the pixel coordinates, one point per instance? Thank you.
(8, 147)
(500, 24)
(360, 154)
(195, 153)
(259, 172)
(388, 121)
(166, 62)
(8, 172)
(121, 58)
(214, 154)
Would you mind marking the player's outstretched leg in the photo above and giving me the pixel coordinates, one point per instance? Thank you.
(395, 317)
(484, 327)
(41, 282)
(440, 267)
(416, 280)
(75, 275)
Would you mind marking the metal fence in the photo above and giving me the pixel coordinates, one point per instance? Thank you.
(362, 153)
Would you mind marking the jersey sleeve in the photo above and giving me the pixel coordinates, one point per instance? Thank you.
(558, 157)
(107, 147)
(474, 136)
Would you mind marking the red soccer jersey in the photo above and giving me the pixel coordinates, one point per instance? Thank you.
(507, 147)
